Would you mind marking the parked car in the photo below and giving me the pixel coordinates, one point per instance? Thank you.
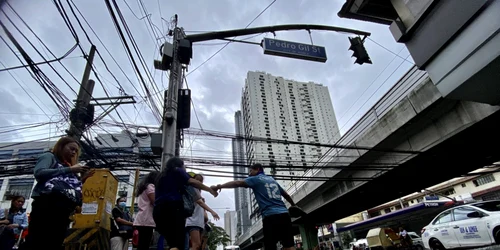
(470, 225)
(416, 240)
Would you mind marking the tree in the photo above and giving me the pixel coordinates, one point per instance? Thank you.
(216, 237)
(346, 238)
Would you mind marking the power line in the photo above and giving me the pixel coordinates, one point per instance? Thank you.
(192, 103)
(127, 48)
(61, 101)
(225, 135)
(223, 47)
(109, 53)
(25, 91)
(397, 55)
(366, 101)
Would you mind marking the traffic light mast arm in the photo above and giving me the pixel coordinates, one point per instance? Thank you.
(242, 32)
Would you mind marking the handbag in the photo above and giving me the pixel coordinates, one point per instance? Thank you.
(135, 238)
(67, 186)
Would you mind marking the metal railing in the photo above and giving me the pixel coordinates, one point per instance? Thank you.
(398, 92)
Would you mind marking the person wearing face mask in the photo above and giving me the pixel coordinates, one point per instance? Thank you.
(121, 225)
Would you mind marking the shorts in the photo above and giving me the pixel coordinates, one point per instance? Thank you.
(278, 228)
(170, 222)
(191, 228)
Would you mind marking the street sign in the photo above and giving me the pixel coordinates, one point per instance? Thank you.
(294, 50)
(431, 197)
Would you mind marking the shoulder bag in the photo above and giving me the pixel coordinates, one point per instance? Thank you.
(67, 186)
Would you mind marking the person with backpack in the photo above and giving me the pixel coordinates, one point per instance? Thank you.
(276, 222)
(56, 195)
(170, 212)
(121, 225)
(196, 223)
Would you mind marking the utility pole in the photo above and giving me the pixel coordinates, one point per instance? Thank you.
(136, 179)
(170, 133)
(83, 113)
(82, 100)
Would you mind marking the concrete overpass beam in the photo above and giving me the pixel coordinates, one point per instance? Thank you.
(309, 235)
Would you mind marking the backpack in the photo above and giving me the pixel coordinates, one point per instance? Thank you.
(188, 202)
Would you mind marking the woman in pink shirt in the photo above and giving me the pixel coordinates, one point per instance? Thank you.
(144, 222)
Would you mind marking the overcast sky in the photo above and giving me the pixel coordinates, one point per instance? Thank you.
(216, 85)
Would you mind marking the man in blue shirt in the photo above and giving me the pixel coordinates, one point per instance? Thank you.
(277, 224)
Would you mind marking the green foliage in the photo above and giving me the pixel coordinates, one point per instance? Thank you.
(216, 237)
(346, 239)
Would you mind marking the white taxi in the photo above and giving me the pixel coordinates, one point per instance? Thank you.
(470, 225)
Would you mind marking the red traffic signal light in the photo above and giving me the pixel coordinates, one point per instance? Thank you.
(359, 51)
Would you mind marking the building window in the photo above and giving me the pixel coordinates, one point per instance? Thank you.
(6, 154)
(483, 180)
(463, 185)
(19, 187)
(449, 191)
(123, 178)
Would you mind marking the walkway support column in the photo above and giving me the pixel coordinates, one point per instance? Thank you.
(309, 235)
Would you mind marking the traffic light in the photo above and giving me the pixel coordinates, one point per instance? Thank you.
(184, 109)
(359, 51)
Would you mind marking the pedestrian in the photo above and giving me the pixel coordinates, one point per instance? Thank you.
(196, 223)
(168, 212)
(56, 195)
(13, 219)
(144, 222)
(205, 233)
(276, 223)
(121, 225)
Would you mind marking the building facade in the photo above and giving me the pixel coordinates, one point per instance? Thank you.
(480, 187)
(275, 108)
(241, 195)
(230, 225)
